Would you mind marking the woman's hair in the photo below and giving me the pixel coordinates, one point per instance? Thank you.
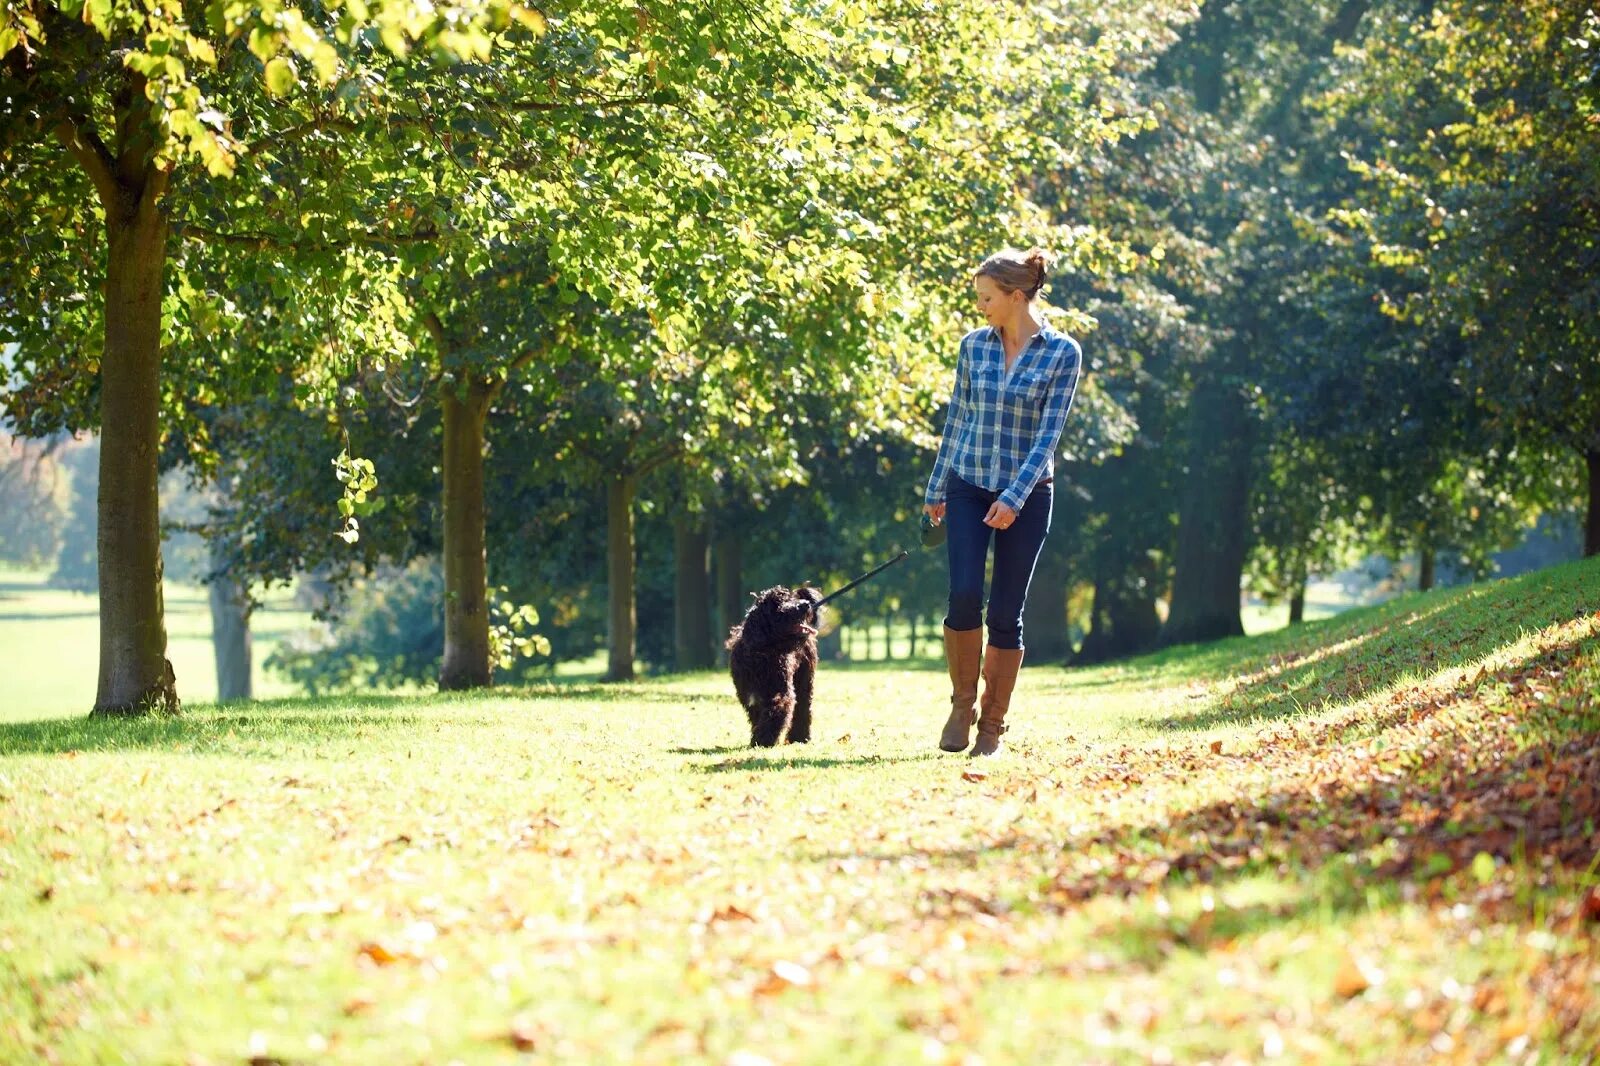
(1017, 271)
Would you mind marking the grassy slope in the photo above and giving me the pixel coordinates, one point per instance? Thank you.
(1369, 839)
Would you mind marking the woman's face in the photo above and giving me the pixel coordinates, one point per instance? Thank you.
(997, 305)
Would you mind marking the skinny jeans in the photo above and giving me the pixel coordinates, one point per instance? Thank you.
(1016, 551)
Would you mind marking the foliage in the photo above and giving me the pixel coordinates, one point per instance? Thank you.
(387, 631)
(33, 499)
(390, 631)
(75, 563)
(1479, 195)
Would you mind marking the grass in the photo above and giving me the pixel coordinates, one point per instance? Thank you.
(51, 645)
(1368, 839)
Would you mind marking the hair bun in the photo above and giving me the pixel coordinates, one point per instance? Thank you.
(1041, 258)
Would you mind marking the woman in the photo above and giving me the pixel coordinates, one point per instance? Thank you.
(1014, 383)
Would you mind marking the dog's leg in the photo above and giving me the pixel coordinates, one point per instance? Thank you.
(748, 700)
(770, 718)
(804, 679)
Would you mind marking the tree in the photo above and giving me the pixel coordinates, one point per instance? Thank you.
(1481, 197)
(158, 106)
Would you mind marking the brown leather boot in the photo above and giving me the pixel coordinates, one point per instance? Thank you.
(963, 653)
(1000, 666)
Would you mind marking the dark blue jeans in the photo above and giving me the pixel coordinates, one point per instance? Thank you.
(1016, 550)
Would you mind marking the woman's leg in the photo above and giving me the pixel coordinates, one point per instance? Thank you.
(968, 540)
(967, 543)
(1016, 550)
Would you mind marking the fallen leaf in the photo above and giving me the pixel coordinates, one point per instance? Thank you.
(1590, 909)
(524, 1034)
(360, 1000)
(784, 975)
(1216, 747)
(974, 775)
(1355, 976)
(379, 954)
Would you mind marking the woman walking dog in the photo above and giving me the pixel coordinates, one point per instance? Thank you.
(993, 476)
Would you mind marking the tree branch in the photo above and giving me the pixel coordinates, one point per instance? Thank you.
(657, 460)
(576, 105)
(435, 328)
(265, 241)
(85, 144)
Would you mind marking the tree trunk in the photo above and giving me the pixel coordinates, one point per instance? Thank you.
(911, 620)
(1425, 567)
(1591, 526)
(620, 632)
(830, 646)
(691, 605)
(1212, 518)
(1123, 619)
(1297, 592)
(888, 637)
(1044, 616)
(135, 676)
(230, 633)
(466, 662)
(731, 599)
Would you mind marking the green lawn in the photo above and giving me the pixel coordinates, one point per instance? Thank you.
(1369, 839)
(50, 644)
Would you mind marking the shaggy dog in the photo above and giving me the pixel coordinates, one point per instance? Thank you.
(773, 656)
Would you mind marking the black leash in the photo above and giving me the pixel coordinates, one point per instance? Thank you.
(870, 573)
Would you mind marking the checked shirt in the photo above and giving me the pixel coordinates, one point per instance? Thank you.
(1002, 429)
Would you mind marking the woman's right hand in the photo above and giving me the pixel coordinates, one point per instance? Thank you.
(934, 511)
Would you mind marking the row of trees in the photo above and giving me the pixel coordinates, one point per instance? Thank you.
(656, 232)
(551, 268)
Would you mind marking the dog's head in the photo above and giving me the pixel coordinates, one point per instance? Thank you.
(783, 615)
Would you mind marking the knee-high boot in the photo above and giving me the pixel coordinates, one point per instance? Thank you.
(963, 653)
(1000, 666)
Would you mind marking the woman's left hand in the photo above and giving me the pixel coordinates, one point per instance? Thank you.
(1000, 516)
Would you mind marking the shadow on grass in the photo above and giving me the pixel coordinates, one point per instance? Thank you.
(619, 692)
(1526, 791)
(230, 727)
(1523, 789)
(767, 764)
(1342, 666)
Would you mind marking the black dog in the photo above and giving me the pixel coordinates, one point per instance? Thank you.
(773, 656)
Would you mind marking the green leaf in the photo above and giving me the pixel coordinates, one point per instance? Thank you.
(281, 76)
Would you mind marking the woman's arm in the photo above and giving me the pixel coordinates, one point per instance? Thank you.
(953, 421)
(1057, 402)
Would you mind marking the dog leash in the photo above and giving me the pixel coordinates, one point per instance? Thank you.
(870, 573)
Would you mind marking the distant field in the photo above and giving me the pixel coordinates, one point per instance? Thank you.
(50, 640)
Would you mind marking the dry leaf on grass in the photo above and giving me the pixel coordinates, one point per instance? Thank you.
(784, 975)
(1355, 976)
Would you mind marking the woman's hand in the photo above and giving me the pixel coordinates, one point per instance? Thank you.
(1000, 516)
(934, 511)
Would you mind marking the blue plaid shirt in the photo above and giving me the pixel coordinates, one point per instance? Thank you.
(1002, 429)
